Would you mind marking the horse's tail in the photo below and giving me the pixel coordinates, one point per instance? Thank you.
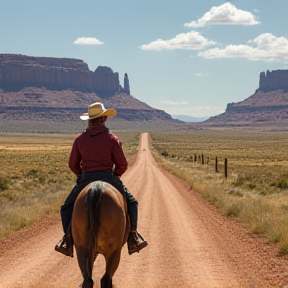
(94, 196)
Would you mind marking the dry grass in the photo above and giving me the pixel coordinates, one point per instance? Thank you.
(34, 176)
(256, 188)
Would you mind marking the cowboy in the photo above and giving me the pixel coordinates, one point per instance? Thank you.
(97, 155)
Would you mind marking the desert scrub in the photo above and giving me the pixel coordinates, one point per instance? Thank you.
(256, 189)
(3, 183)
(34, 175)
(129, 142)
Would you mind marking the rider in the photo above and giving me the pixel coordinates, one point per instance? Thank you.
(97, 155)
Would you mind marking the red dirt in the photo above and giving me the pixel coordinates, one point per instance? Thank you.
(190, 244)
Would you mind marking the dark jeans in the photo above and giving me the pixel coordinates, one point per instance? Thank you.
(67, 207)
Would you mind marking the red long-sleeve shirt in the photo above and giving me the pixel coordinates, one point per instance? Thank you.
(97, 150)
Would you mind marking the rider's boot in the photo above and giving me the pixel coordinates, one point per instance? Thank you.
(135, 242)
(65, 246)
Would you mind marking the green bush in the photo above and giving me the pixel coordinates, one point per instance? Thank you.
(4, 183)
(232, 211)
(32, 173)
(282, 184)
(251, 186)
(165, 153)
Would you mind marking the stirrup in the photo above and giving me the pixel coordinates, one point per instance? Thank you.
(63, 247)
(135, 242)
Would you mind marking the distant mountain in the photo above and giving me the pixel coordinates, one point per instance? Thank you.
(269, 104)
(187, 118)
(60, 89)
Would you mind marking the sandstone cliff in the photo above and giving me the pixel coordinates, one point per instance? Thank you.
(36, 91)
(274, 80)
(19, 71)
(57, 74)
(105, 82)
(126, 84)
(269, 104)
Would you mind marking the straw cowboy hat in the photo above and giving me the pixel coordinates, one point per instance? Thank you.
(96, 110)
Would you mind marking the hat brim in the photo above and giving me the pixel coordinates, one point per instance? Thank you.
(108, 112)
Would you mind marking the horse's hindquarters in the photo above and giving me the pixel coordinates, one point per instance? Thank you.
(113, 222)
(99, 225)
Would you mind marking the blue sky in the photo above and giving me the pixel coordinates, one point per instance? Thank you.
(183, 56)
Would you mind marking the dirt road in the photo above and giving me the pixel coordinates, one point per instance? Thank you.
(190, 244)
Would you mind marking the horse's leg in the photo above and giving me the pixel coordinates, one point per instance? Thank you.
(86, 264)
(112, 263)
(106, 282)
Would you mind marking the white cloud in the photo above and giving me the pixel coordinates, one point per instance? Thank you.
(168, 102)
(87, 41)
(225, 14)
(202, 74)
(184, 108)
(195, 111)
(265, 47)
(186, 41)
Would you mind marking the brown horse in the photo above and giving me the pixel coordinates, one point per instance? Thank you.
(99, 225)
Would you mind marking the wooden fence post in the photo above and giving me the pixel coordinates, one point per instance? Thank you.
(202, 157)
(226, 167)
(216, 164)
